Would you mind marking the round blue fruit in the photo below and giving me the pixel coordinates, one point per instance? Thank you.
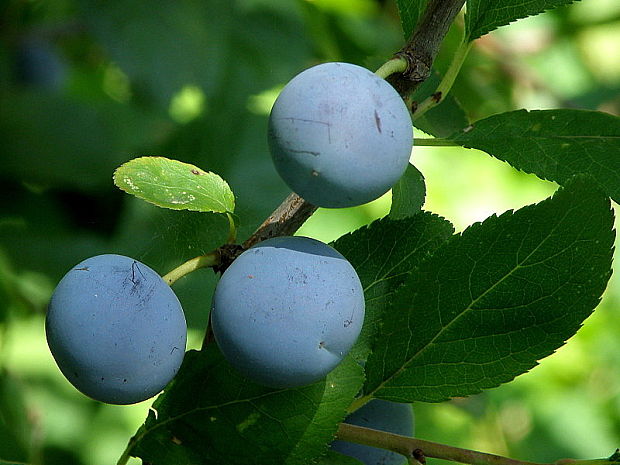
(339, 135)
(116, 329)
(381, 415)
(287, 311)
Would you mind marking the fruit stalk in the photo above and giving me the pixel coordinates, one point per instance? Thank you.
(203, 261)
(395, 65)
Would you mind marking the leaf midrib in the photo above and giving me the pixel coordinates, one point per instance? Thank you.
(469, 307)
(138, 437)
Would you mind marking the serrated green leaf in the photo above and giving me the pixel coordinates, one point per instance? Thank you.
(408, 194)
(228, 419)
(553, 144)
(496, 299)
(383, 254)
(410, 12)
(483, 16)
(175, 185)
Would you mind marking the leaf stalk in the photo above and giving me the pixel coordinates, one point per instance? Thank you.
(232, 231)
(448, 80)
(203, 261)
(426, 142)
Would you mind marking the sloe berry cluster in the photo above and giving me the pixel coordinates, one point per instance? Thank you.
(286, 311)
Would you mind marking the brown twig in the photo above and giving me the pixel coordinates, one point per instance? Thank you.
(419, 448)
(423, 45)
(284, 221)
(416, 450)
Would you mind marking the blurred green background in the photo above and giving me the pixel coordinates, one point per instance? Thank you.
(87, 84)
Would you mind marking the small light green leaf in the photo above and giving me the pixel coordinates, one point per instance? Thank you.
(491, 302)
(175, 185)
(410, 12)
(552, 144)
(408, 194)
(383, 254)
(228, 419)
(483, 16)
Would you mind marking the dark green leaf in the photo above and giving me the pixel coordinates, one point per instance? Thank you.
(195, 41)
(228, 419)
(175, 185)
(383, 254)
(165, 68)
(410, 12)
(496, 299)
(334, 458)
(79, 150)
(483, 16)
(16, 434)
(444, 119)
(408, 194)
(553, 144)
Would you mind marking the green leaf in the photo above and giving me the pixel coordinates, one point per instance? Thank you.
(408, 194)
(496, 299)
(383, 254)
(553, 144)
(175, 185)
(77, 151)
(228, 419)
(483, 16)
(195, 41)
(334, 458)
(16, 430)
(410, 12)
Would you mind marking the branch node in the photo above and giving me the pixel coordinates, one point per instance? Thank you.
(418, 454)
(228, 254)
(284, 221)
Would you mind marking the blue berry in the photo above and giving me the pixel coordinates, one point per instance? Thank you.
(116, 329)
